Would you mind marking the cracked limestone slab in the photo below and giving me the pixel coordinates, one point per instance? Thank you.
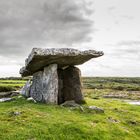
(40, 58)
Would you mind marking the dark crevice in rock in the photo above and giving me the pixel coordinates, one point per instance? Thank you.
(70, 87)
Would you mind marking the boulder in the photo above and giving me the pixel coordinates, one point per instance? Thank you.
(6, 99)
(95, 109)
(25, 91)
(45, 85)
(15, 93)
(31, 99)
(40, 58)
(5, 94)
(71, 103)
(71, 87)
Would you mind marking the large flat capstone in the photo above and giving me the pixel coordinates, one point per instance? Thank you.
(40, 58)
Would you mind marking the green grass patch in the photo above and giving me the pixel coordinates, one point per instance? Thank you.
(52, 122)
(114, 83)
(11, 85)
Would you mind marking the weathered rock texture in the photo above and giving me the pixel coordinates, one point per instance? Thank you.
(40, 58)
(55, 78)
(70, 87)
(25, 91)
(45, 85)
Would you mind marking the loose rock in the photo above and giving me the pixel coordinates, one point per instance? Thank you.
(15, 93)
(71, 103)
(6, 99)
(25, 91)
(31, 99)
(96, 109)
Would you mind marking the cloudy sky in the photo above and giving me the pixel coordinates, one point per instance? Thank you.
(112, 26)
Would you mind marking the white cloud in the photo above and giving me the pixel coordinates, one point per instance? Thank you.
(63, 23)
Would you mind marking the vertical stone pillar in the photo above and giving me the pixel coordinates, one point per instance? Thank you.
(36, 87)
(50, 84)
(60, 87)
(72, 88)
(45, 85)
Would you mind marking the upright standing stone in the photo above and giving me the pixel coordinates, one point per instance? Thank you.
(36, 88)
(71, 89)
(60, 86)
(45, 85)
(50, 84)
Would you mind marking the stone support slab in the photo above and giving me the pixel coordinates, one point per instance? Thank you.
(70, 87)
(45, 85)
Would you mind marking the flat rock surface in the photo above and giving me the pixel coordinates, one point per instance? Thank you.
(40, 58)
(5, 99)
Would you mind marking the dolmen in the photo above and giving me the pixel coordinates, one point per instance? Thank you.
(55, 79)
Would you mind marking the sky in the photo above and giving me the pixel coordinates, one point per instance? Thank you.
(111, 26)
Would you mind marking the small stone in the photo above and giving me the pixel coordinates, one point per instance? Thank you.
(17, 113)
(71, 103)
(14, 113)
(113, 120)
(31, 99)
(5, 94)
(15, 93)
(19, 97)
(25, 91)
(96, 109)
(6, 99)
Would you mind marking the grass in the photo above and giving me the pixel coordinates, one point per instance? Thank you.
(36, 121)
(52, 122)
(114, 83)
(11, 85)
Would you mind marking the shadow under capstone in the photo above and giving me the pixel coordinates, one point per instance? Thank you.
(55, 77)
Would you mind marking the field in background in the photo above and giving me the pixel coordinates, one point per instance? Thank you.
(114, 83)
(11, 84)
(114, 87)
(94, 87)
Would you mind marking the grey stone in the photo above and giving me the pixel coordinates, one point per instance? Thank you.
(25, 91)
(5, 94)
(15, 113)
(6, 99)
(60, 86)
(15, 93)
(71, 103)
(31, 99)
(40, 58)
(9, 94)
(96, 109)
(19, 97)
(36, 87)
(113, 120)
(70, 87)
(45, 85)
